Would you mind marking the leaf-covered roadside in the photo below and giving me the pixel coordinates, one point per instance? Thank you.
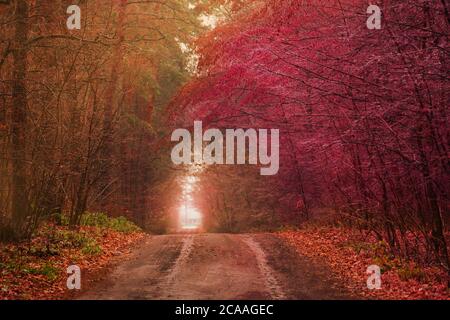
(349, 253)
(37, 269)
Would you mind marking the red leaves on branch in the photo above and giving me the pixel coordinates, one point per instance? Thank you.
(363, 114)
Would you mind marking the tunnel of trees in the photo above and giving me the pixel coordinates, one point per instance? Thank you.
(86, 115)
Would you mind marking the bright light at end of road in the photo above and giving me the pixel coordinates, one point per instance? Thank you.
(190, 218)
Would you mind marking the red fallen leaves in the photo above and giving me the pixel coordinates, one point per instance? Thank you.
(27, 273)
(337, 247)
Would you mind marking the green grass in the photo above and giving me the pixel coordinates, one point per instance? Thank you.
(121, 224)
(48, 269)
(102, 220)
(91, 248)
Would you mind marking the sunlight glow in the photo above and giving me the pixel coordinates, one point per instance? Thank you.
(190, 217)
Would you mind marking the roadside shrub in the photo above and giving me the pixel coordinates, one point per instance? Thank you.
(91, 247)
(97, 219)
(408, 272)
(48, 269)
(101, 220)
(70, 239)
(359, 246)
(122, 224)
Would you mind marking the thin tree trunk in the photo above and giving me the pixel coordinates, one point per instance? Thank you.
(19, 118)
(111, 101)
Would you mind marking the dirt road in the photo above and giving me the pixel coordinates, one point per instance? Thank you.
(217, 266)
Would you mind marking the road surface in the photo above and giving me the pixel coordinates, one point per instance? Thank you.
(217, 266)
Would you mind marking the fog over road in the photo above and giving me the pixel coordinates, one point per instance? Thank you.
(217, 266)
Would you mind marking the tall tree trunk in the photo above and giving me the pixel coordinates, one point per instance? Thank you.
(19, 118)
(437, 225)
(111, 95)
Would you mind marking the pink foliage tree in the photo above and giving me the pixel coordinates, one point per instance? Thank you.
(363, 113)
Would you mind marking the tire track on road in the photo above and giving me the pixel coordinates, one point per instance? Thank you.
(186, 250)
(267, 272)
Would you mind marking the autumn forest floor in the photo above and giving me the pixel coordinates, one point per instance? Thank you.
(313, 263)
